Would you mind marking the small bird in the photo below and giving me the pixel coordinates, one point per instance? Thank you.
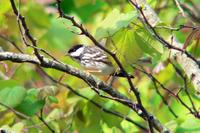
(95, 60)
(92, 58)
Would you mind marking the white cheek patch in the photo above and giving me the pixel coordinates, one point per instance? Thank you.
(77, 52)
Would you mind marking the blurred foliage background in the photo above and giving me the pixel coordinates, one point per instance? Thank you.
(24, 88)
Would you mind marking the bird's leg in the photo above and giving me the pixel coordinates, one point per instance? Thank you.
(110, 81)
(109, 77)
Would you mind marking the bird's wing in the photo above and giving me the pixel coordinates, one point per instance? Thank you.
(100, 55)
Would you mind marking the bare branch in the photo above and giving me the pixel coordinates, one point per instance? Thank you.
(89, 79)
(115, 113)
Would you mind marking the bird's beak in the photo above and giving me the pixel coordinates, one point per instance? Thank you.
(67, 54)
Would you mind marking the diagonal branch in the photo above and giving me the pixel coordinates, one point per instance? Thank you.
(89, 79)
(146, 115)
(115, 113)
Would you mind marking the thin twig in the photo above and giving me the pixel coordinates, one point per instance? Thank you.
(192, 11)
(15, 111)
(158, 37)
(41, 118)
(115, 113)
(195, 112)
(21, 19)
(164, 101)
(155, 82)
(180, 8)
(178, 28)
(11, 42)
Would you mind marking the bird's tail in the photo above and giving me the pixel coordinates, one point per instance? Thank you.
(121, 74)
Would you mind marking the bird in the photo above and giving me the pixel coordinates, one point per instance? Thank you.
(92, 58)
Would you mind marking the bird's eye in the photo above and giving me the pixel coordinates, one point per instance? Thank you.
(74, 48)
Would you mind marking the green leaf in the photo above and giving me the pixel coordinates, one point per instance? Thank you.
(147, 43)
(88, 119)
(12, 96)
(31, 104)
(8, 83)
(89, 9)
(109, 119)
(85, 9)
(125, 46)
(16, 128)
(57, 35)
(190, 125)
(33, 93)
(30, 107)
(87, 90)
(4, 7)
(32, 16)
(52, 99)
(113, 22)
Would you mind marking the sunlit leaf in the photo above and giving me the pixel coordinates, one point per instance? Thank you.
(18, 127)
(4, 7)
(148, 43)
(124, 44)
(113, 22)
(12, 96)
(7, 119)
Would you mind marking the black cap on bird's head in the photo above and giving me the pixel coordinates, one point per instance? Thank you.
(74, 48)
(76, 51)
